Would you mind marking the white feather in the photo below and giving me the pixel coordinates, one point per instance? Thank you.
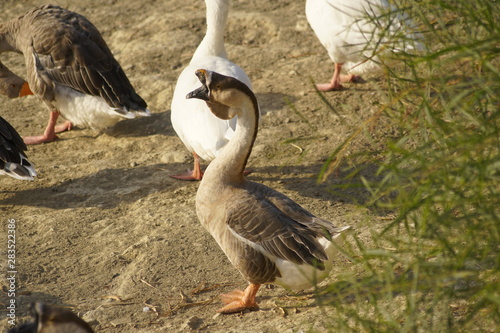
(353, 39)
(201, 131)
(89, 111)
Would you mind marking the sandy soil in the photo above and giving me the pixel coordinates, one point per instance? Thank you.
(105, 231)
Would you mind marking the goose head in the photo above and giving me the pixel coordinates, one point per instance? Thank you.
(224, 95)
(12, 85)
(48, 319)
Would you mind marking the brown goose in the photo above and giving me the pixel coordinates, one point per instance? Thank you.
(48, 319)
(268, 237)
(12, 85)
(71, 69)
(13, 160)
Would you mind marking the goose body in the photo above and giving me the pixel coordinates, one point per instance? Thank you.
(267, 236)
(48, 319)
(71, 69)
(13, 160)
(352, 40)
(203, 134)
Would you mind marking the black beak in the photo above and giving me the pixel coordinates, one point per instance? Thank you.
(200, 93)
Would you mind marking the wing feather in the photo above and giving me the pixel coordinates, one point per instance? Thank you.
(70, 51)
(281, 227)
(13, 160)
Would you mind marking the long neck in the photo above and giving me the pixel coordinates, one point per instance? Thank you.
(213, 42)
(8, 32)
(229, 165)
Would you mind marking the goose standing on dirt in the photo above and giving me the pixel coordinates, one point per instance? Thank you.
(48, 319)
(353, 40)
(13, 160)
(203, 134)
(268, 237)
(71, 69)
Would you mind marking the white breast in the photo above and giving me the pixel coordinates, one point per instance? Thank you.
(87, 111)
(200, 130)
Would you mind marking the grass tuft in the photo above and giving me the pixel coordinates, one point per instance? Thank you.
(434, 266)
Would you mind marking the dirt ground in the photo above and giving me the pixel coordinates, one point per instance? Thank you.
(105, 231)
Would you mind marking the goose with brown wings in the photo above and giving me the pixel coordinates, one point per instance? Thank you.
(71, 69)
(267, 236)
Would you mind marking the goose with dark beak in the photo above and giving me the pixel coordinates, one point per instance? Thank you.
(268, 237)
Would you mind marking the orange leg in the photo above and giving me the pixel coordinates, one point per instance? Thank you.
(337, 79)
(238, 300)
(195, 174)
(49, 134)
(25, 90)
(66, 126)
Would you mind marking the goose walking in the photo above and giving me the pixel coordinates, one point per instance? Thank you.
(203, 134)
(353, 40)
(268, 237)
(49, 319)
(13, 160)
(71, 69)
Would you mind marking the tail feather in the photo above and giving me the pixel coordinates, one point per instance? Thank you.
(18, 171)
(13, 160)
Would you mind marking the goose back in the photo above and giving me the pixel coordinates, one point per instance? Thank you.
(64, 48)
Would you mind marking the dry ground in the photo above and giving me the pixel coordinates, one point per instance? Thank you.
(104, 229)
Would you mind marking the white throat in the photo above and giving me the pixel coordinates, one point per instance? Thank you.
(213, 42)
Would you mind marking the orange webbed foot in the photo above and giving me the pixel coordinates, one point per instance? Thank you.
(329, 86)
(351, 78)
(189, 175)
(66, 126)
(38, 139)
(195, 174)
(238, 300)
(230, 297)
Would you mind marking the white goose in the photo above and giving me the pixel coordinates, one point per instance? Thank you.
(13, 160)
(71, 69)
(352, 40)
(268, 237)
(203, 134)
